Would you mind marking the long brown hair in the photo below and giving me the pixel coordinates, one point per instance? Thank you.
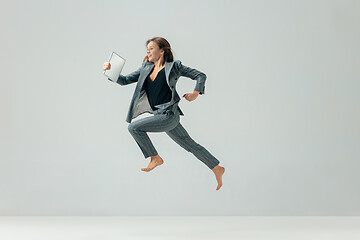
(163, 44)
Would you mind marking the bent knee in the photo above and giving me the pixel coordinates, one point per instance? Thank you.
(132, 127)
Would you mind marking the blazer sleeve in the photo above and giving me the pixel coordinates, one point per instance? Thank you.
(129, 78)
(194, 74)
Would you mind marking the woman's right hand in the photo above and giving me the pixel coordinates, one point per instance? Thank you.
(106, 66)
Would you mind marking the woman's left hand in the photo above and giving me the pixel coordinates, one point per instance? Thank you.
(191, 96)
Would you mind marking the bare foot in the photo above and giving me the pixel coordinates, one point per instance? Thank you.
(219, 171)
(155, 161)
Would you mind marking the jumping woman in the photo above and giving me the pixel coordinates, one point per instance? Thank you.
(156, 94)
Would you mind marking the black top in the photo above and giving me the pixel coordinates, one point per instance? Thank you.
(158, 91)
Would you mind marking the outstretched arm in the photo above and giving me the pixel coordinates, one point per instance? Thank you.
(128, 79)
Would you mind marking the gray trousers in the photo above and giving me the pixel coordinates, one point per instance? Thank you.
(168, 122)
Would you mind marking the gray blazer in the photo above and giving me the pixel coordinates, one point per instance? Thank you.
(173, 70)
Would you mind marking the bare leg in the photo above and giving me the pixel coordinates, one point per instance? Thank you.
(155, 161)
(219, 171)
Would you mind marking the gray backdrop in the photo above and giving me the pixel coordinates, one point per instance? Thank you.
(280, 109)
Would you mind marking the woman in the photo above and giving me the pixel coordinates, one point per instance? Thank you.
(155, 93)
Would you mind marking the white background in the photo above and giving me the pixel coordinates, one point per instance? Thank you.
(280, 109)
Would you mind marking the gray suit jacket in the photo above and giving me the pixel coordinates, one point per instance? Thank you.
(173, 70)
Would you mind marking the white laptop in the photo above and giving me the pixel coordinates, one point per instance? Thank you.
(117, 63)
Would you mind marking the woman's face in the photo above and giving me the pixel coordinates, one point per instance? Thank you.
(154, 53)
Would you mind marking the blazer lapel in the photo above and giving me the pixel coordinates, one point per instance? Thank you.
(168, 66)
(150, 66)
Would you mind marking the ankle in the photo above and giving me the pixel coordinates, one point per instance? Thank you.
(155, 157)
(215, 168)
